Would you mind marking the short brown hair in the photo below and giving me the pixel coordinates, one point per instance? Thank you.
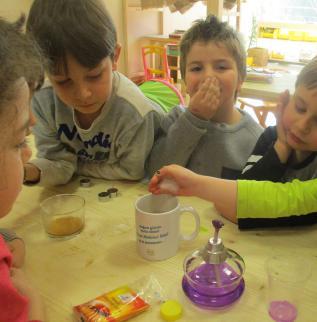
(308, 75)
(82, 28)
(213, 30)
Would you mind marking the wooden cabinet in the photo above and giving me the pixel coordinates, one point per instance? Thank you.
(173, 61)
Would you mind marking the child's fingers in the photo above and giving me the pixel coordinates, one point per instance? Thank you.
(284, 97)
(205, 85)
(212, 86)
(163, 191)
(156, 185)
(208, 89)
(212, 99)
(215, 82)
(283, 100)
(154, 180)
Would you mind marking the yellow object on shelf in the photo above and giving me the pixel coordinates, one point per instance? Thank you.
(283, 34)
(277, 55)
(268, 32)
(310, 36)
(296, 35)
(249, 61)
(260, 56)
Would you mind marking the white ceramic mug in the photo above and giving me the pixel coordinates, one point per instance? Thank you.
(157, 221)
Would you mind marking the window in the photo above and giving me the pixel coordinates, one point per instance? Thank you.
(288, 11)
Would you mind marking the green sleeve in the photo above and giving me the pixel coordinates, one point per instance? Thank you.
(266, 199)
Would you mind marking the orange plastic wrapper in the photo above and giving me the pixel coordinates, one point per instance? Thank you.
(118, 305)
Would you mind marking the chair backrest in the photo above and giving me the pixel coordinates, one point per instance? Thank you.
(155, 63)
(162, 92)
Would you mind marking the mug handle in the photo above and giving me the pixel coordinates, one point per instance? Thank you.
(194, 234)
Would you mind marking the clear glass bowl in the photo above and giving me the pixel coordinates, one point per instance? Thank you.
(213, 286)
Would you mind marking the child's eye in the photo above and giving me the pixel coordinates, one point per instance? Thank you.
(62, 82)
(195, 69)
(300, 109)
(222, 67)
(94, 76)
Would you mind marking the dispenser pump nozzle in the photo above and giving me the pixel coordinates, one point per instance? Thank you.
(218, 224)
(214, 251)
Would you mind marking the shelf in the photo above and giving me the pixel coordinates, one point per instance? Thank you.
(286, 62)
(291, 40)
(283, 25)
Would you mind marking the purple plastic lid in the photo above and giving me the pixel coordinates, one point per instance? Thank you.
(282, 311)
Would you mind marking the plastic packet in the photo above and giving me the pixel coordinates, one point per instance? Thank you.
(121, 303)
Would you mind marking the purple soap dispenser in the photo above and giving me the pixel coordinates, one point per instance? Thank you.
(213, 275)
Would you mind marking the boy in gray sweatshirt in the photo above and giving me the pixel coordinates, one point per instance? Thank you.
(91, 120)
(210, 136)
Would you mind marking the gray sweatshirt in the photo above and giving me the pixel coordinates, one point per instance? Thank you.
(206, 147)
(114, 147)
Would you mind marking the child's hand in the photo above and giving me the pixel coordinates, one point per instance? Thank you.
(281, 146)
(24, 287)
(31, 173)
(205, 102)
(17, 249)
(185, 181)
(21, 282)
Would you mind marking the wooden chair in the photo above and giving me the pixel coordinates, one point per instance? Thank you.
(260, 108)
(155, 63)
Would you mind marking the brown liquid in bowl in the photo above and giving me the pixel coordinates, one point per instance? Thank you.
(64, 226)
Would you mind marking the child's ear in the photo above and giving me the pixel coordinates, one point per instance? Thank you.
(116, 56)
(238, 89)
(239, 85)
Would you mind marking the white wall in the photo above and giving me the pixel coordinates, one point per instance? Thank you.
(11, 10)
(115, 8)
(176, 20)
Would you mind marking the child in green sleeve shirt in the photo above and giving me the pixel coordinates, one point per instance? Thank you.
(249, 203)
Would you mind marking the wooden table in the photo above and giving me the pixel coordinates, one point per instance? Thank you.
(284, 78)
(103, 256)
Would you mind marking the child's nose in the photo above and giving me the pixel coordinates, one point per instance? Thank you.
(82, 92)
(209, 72)
(304, 125)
